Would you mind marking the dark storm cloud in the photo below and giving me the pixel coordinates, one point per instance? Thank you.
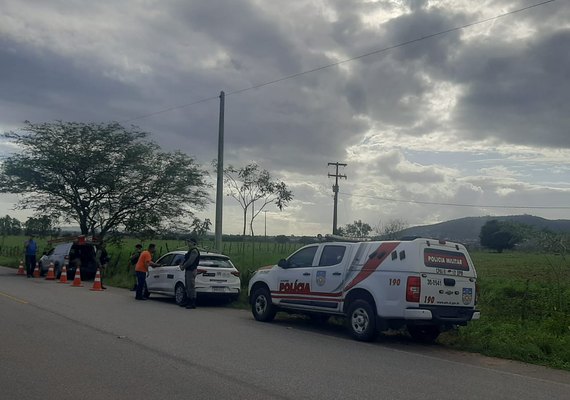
(50, 84)
(518, 93)
(245, 32)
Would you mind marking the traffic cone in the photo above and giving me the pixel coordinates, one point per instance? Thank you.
(37, 271)
(77, 279)
(63, 276)
(21, 270)
(97, 282)
(51, 274)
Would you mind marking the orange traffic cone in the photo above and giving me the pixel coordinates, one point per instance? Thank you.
(63, 276)
(77, 279)
(21, 270)
(97, 283)
(51, 274)
(37, 271)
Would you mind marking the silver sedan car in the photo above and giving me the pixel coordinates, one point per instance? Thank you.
(216, 276)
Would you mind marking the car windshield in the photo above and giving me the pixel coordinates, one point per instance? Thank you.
(215, 262)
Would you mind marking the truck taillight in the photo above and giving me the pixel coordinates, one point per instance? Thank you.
(235, 273)
(413, 289)
(476, 292)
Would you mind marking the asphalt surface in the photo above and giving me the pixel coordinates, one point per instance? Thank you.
(63, 342)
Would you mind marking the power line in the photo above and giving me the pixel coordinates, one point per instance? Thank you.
(385, 49)
(457, 204)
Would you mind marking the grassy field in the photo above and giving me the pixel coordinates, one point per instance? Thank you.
(524, 297)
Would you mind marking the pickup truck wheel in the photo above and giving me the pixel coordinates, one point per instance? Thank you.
(180, 294)
(424, 333)
(261, 306)
(361, 321)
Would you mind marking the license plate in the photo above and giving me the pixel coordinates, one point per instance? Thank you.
(218, 289)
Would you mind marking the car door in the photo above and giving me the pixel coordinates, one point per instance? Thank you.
(171, 273)
(155, 280)
(294, 283)
(328, 275)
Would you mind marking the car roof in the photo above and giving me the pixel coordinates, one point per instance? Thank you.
(202, 253)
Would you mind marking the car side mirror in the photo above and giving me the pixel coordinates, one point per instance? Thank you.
(283, 263)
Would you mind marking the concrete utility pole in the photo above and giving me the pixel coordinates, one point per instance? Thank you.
(220, 181)
(336, 175)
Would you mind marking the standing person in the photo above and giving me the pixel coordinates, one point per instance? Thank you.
(30, 248)
(102, 259)
(189, 266)
(141, 269)
(134, 258)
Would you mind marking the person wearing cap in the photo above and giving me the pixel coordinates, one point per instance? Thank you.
(190, 266)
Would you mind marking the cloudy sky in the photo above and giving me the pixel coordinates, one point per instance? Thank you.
(468, 123)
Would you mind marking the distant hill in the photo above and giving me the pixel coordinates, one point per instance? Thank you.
(466, 230)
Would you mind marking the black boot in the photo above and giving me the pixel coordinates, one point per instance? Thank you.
(191, 303)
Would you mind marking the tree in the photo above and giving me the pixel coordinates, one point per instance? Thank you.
(41, 226)
(391, 230)
(356, 229)
(102, 176)
(251, 184)
(10, 226)
(500, 235)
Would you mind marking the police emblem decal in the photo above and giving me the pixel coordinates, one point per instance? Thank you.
(321, 277)
(467, 295)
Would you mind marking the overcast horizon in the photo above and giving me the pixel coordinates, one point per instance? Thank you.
(472, 122)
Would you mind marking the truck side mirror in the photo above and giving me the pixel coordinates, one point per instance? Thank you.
(283, 263)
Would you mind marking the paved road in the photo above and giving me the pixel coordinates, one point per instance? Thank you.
(62, 342)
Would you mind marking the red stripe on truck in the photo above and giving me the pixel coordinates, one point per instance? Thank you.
(373, 263)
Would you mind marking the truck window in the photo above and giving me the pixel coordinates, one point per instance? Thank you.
(303, 258)
(331, 255)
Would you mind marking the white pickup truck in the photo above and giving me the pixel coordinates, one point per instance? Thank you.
(427, 285)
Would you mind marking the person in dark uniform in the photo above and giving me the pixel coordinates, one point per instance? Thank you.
(190, 266)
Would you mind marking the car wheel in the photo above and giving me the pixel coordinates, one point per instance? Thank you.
(424, 333)
(361, 321)
(261, 306)
(180, 294)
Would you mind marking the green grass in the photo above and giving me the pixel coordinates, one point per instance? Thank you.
(524, 298)
(525, 309)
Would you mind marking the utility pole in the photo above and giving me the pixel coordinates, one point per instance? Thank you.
(220, 181)
(336, 175)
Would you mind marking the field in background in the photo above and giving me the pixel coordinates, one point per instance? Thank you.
(524, 297)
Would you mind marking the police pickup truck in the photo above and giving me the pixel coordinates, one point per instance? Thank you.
(427, 285)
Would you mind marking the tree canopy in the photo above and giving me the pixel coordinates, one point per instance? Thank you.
(102, 176)
(500, 235)
(251, 184)
(356, 229)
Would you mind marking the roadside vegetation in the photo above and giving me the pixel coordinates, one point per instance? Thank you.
(524, 296)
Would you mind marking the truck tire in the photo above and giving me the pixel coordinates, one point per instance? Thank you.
(261, 306)
(424, 333)
(361, 321)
